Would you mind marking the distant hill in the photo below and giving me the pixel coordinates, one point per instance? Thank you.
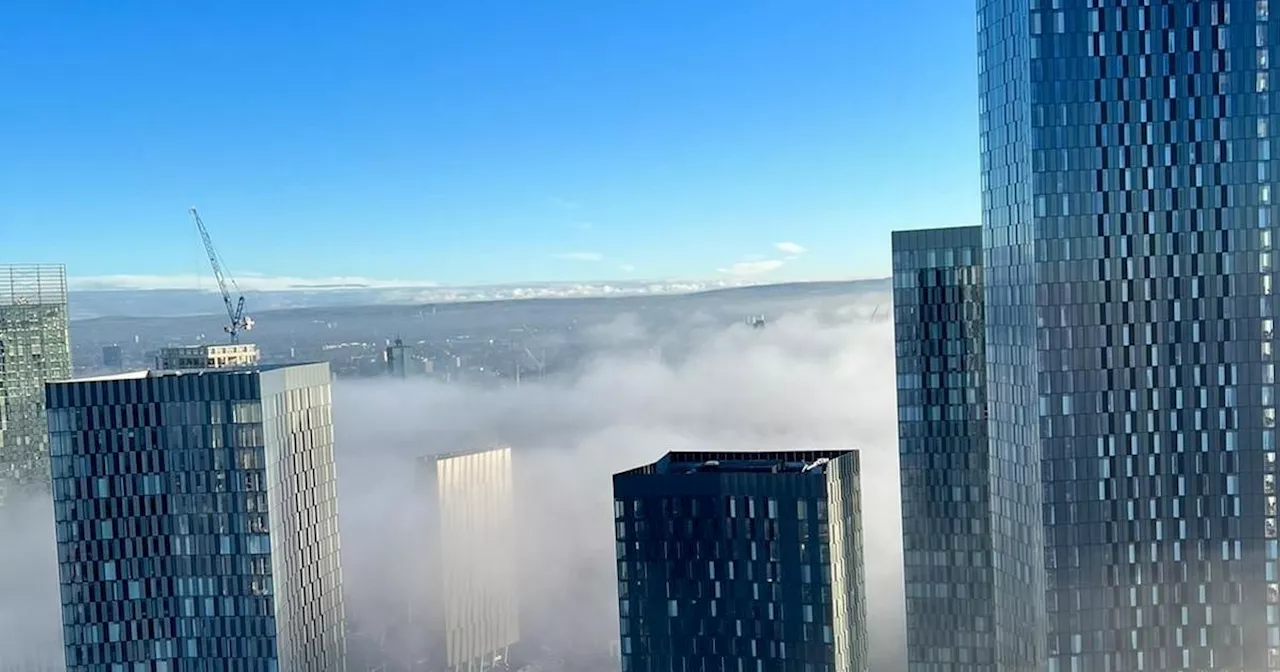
(170, 303)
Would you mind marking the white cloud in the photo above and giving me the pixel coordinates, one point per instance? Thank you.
(580, 256)
(759, 264)
(583, 226)
(564, 203)
(803, 382)
(800, 383)
(627, 268)
(246, 281)
(760, 267)
(793, 249)
(96, 297)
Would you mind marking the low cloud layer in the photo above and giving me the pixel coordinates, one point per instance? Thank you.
(800, 383)
(253, 282)
(30, 610)
(805, 381)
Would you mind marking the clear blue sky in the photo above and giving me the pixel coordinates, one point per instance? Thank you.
(483, 141)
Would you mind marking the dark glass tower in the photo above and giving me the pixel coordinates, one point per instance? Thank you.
(746, 562)
(1127, 160)
(948, 511)
(197, 521)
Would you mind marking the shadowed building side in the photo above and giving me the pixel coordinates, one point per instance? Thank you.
(948, 516)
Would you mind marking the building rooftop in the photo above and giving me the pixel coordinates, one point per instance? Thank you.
(29, 285)
(212, 346)
(741, 462)
(936, 237)
(463, 453)
(168, 373)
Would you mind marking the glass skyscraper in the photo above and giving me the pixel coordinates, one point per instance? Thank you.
(35, 348)
(950, 490)
(197, 520)
(1129, 261)
(748, 562)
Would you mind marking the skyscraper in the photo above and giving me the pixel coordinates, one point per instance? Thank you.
(468, 601)
(1128, 198)
(35, 347)
(948, 511)
(398, 358)
(112, 357)
(742, 561)
(197, 520)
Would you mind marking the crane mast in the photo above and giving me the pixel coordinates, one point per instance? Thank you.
(235, 310)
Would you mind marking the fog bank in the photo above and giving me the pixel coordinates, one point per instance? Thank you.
(802, 382)
(805, 381)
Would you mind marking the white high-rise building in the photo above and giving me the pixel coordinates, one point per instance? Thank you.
(469, 602)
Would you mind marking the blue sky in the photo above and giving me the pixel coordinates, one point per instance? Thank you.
(484, 141)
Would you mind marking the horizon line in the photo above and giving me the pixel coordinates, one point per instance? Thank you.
(695, 285)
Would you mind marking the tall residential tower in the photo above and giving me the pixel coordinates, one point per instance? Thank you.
(742, 561)
(468, 599)
(197, 520)
(35, 348)
(948, 509)
(1128, 187)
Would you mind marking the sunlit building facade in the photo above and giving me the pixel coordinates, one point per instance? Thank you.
(1128, 206)
(948, 511)
(468, 606)
(742, 561)
(35, 347)
(197, 520)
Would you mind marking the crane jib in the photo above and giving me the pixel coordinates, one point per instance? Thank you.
(237, 322)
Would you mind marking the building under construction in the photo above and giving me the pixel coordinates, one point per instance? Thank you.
(208, 356)
(35, 347)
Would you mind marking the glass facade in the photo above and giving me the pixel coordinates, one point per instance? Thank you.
(747, 562)
(196, 519)
(35, 348)
(1129, 265)
(947, 506)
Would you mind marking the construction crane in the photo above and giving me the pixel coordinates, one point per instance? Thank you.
(235, 311)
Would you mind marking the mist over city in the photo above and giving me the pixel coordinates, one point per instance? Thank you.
(539, 336)
(816, 377)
